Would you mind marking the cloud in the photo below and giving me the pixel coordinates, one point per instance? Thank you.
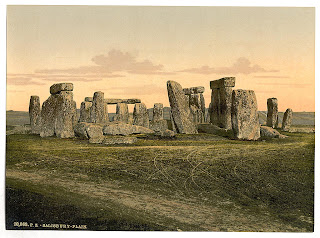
(288, 85)
(272, 76)
(241, 66)
(22, 81)
(136, 90)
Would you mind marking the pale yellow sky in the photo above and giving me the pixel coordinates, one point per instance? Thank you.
(130, 52)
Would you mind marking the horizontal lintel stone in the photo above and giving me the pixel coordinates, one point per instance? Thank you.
(58, 87)
(223, 82)
(127, 101)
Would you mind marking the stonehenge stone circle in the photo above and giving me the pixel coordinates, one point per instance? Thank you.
(58, 114)
(35, 114)
(182, 118)
(127, 101)
(196, 103)
(157, 112)
(272, 115)
(85, 110)
(287, 120)
(97, 113)
(244, 114)
(140, 115)
(221, 100)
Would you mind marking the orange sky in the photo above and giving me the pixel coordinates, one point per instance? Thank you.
(130, 52)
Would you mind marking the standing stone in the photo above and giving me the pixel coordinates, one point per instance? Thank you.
(48, 116)
(221, 99)
(203, 107)
(157, 112)
(85, 111)
(158, 124)
(140, 115)
(106, 113)
(88, 99)
(122, 113)
(97, 109)
(244, 113)
(181, 115)
(272, 116)
(35, 114)
(287, 120)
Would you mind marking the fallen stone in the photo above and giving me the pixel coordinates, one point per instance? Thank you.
(127, 101)
(269, 132)
(140, 115)
(272, 115)
(80, 130)
(125, 129)
(119, 140)
(180, 110)
(244, 113)
(35, 114)
(57, 88)
(215, 130)
(95, 133)
(287, 120)
(166, 133)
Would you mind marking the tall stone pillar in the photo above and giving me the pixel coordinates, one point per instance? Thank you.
(85, 109)
(221, 101)
(140, 115)
(35, 114)
(287, 120)
(97, 114)
(122, 113)
(272, 115)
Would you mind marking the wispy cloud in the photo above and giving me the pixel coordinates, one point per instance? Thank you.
(288, 85)
(241, 66)
(271, 76)
(22, 81)
(148, 89)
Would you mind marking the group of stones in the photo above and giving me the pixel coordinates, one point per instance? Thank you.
(229, 110)
(58, 116)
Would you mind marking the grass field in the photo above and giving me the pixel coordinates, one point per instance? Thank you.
(199, 183)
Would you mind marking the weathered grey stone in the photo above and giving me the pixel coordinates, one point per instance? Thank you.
(166, 133)
(223, 82)
(203, 108)
(195, 108)
(193, 90)
(119, 140)
(225, 96)
(181, 115)
(244, 113)
(214, 107)
(125, 129)
(157, 112)
(214, 129)
(48, 116)
(127, 101)
(95, 133)
(158, 125)
(287, 120)
(269, 132)
(58, 87)
(80, 130)
(88, 99)
(140, 115)
(35, 114)
(122, 113)
(272, 116)
(85, 111)
(97, 113)
(106, 113)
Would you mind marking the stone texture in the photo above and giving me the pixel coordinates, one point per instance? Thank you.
(58, 115)
(166, 133)
(88, 99)
(272, 115)
(244, 112)
(223, 82)
(122, 113)
(181, 115)
(85, 110)
(215, 130)
(140, 115)
(158, 123)
(193, 90)
(125, 129)
(287, 120)
(214, 107)
(119, 140)
(269, 132)
(225, 96)
(35, 114)
(127, 101)
(58, 87)
(203, 107)
(95, 133)
(106, 113)
(80, 130)
(195, 108)
(157, 112)
(97, 114)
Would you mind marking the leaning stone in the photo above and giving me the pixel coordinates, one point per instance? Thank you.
(119, 140)
(287, 120)
(269, 132)
(140, 115)
(272, 116)
(122, 113)
(97, 114)
(181, 115)
(127, 101)
(223, 82)
(85, 109)
(215, 130)
(88, 99)
(57, 88)
(244, 112)
(35, 114)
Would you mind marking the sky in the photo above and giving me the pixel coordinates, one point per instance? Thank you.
(131, 52)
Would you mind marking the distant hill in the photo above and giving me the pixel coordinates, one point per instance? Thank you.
(299, 118)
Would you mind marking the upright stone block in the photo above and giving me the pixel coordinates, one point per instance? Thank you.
(272, 115)
(180, 110)
(225, 107)
(244, 112)
(203, 108)
(85, 109)
(287, 120)
(97, 109)
(157, 112)
(106, 112)
(122, 113)
(35, 114)
(140, 115)
(158, 124)
(214, 107)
